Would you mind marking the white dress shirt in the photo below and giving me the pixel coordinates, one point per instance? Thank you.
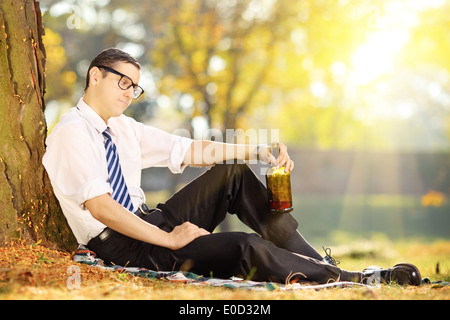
(75, 160)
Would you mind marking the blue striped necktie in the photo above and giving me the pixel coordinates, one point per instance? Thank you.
(116, 179)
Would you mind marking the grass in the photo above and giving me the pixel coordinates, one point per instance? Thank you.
(31, 271)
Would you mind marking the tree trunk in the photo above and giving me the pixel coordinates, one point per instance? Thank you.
(28, 207)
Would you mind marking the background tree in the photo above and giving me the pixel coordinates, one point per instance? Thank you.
(219, 54)
(349, 75)
(28, 207)
(315, 69)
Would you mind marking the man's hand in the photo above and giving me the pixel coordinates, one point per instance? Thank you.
(109, 212)
(184, 234)
(283, 159)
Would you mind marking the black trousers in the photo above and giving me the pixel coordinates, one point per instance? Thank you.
(264, 256)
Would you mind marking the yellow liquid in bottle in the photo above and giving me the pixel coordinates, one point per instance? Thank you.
(279, 190)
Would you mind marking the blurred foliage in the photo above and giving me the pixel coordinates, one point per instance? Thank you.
(329, 74)
(60, 80)
(434, 199)
(430, 41)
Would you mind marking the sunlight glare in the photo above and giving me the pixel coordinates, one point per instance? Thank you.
(377, 56)
(389, 34)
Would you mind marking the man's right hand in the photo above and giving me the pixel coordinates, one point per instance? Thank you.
(184, 234)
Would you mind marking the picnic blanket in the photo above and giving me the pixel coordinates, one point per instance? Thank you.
(86, 256)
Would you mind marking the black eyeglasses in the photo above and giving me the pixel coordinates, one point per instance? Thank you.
(125, 82)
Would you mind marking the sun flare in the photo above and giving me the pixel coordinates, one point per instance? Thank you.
(390, 33)
(377, 56)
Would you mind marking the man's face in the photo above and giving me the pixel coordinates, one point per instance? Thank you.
(114, 99)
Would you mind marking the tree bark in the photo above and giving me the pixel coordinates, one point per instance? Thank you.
(28, 207)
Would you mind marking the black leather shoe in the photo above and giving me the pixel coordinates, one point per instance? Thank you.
(402, 274)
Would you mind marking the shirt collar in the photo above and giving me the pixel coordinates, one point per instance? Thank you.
(91, 116)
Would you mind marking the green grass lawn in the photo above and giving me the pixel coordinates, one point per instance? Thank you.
(35, 272)
(361, 231)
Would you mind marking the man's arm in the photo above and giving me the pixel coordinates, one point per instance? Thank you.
(206, 153)
(109, 212)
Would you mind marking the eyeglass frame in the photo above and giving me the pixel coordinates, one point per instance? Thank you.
(134, 85)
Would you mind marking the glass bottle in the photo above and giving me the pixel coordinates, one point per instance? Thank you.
(279, 186)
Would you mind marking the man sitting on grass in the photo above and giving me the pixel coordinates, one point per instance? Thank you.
(94, 159)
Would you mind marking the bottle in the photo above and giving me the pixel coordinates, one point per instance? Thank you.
(279, 186)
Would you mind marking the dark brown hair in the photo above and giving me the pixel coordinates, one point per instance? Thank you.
(108, 58)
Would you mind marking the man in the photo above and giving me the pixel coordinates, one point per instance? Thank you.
(94, 159)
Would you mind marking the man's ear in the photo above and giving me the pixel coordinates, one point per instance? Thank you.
(94, 76)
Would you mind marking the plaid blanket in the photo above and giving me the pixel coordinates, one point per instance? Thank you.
(86, 256)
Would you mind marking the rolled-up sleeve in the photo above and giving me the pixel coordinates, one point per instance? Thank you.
(75, 165)
(162, 149)
(180, 146)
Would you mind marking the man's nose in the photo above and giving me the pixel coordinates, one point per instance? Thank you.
(129, 93)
